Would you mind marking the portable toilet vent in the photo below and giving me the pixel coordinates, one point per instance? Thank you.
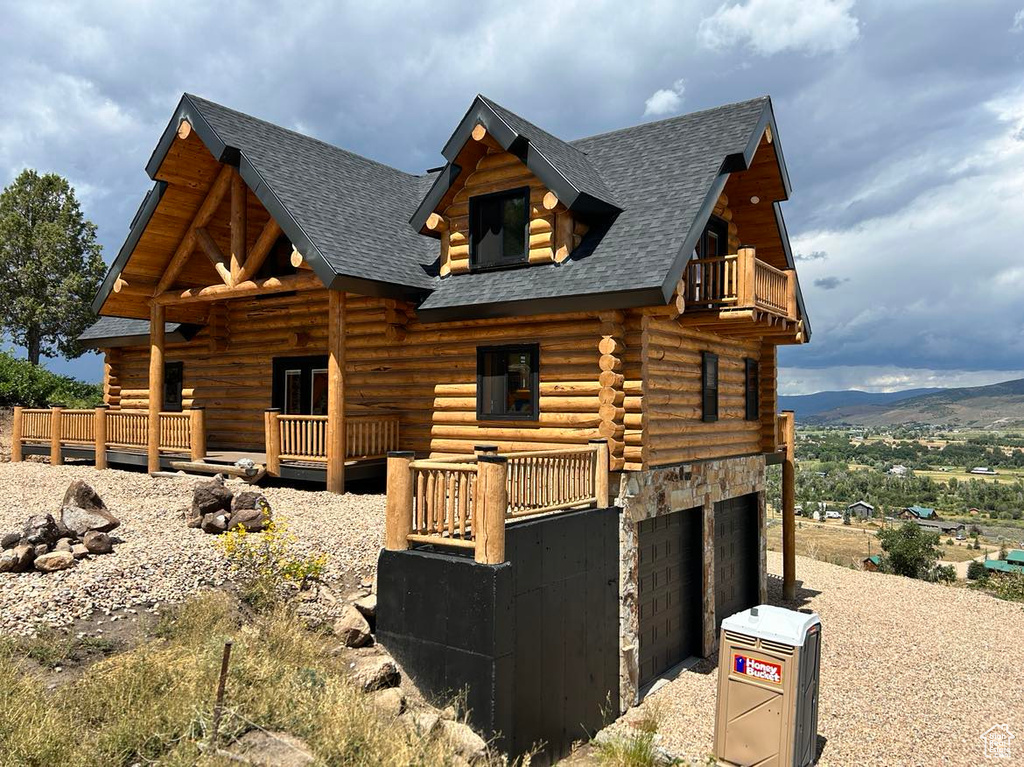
(768, 666)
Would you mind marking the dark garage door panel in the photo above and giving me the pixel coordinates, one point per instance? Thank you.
(736, 556)
(670, 588)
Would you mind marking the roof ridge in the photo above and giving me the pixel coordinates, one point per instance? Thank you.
(652, 123)
(305, 136)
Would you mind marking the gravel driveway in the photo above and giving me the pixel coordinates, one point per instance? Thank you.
(162, 560)
(912, 673)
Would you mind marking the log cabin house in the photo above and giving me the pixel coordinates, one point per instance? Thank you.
(601, 309)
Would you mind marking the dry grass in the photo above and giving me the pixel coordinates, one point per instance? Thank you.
(154, 703)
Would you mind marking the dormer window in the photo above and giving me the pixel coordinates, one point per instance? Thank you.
(499, 229)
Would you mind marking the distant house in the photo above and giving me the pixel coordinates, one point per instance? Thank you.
(1015, 557)
(983, 470)
(973, 511)
(918, 512)
(1002, 566)
(899, 470)
(872, 563)
(939, 526)
(861, 509)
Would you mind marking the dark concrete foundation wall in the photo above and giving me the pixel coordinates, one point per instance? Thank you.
(533, 643)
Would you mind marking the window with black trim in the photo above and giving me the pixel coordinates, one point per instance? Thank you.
(174, 376)
(507, 382)
(499, 229)
(709, 386)
(753, 390)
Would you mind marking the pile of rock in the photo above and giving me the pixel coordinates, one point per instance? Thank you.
(49, 544)
(216, 508)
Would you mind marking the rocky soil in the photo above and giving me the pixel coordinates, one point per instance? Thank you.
(911, 672)
(161, 560)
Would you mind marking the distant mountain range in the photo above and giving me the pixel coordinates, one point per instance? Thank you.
(995, 406)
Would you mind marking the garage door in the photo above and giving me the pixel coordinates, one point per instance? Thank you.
(670, 588)
(736, 556)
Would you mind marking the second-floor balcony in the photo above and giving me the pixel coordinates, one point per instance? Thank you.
(739, 282)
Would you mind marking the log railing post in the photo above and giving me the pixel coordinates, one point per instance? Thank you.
(55, 425)
(489, 526)
(273, 440)
(156, 385)
(789, 507)
(18, 430)
(791, 293)
(747, 265)
(398, 514)
(99, 433)
(601, 469)
(197, 433)
(479, 450)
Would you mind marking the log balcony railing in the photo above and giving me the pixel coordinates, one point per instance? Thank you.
(465, 501)
(104, 429)
(740, 281)
(303, 438)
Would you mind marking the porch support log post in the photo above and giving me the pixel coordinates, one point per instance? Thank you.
(789, 507)
(273, 441)
(19, 429)
(489, 527)
(601, 468)
(336, 393)
(791, 293)
(55, 424)
(99, 430)
(197, 433)
(238, 225)
(747, 256)
(398, 514)
(156, 384)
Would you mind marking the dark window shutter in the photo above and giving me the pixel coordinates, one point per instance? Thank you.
(753, 390)
(709, 386)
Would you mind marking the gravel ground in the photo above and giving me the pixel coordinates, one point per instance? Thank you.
(912, 673)
(161, 560)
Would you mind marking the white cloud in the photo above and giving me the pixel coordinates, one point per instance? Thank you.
(666, 100)
(774, 26)
(1018, 21)
(884, 378)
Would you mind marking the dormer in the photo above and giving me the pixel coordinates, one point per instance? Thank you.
(510, 195)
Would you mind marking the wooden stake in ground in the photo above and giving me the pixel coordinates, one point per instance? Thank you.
(218, 707)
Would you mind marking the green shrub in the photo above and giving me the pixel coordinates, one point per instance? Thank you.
(1009, 586)
(944, 574)
(976, 570)
(24, 384)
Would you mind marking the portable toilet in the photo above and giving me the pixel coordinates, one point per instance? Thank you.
(768, 667)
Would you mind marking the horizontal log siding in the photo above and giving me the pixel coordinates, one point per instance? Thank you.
(429, 378)
(768, 404)
(673, 430)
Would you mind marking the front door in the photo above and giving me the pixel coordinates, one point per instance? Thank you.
(300, 385)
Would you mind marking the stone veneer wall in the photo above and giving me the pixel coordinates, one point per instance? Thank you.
(646, 494)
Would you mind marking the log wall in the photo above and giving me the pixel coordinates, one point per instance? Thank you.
(632, 377)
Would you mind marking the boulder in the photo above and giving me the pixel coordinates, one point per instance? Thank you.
(41, 529)
(97, 543)
(215, 522)
(40, 549)
(249, 499)
(79, 551)
(375, 672)
(352, 628)
(64, 544)
(423, 723)
(24, 555)
(252, 520)
(367, 606)
(272, 749)
(55, 560)
(209, 497)
(8, 561)
(389, 702)
(9, 540)
(463, 740)
(80, 520)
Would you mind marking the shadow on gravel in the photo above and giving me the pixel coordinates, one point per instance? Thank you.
(803, 594)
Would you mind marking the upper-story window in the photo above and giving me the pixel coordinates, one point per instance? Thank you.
(714, 240)
(499, 229)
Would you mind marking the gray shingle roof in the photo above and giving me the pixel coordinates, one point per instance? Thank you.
(663, 174)
(354, 211)
(123, 328)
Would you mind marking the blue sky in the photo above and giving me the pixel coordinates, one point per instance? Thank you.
(903, 128)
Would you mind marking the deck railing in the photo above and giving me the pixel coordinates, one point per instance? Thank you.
(304, 437)
(739, 281)
(103, 429)
(465, 501)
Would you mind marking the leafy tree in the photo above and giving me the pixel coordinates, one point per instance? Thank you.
(976, 570)
(944, 574)
(909, 551)
(51, 265)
